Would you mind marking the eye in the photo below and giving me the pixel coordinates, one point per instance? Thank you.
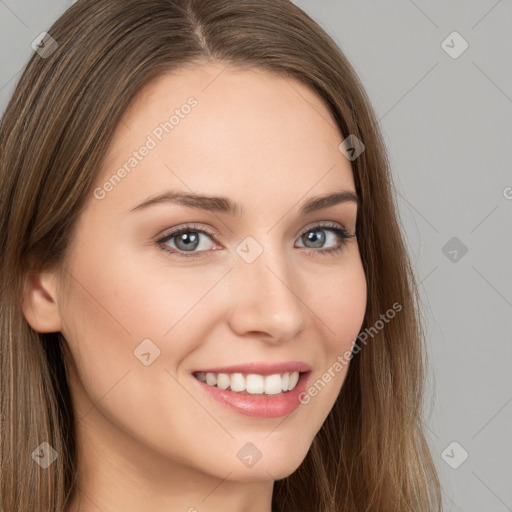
(316, 236)
(188, 238)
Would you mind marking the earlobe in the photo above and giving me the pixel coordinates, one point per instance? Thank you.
(40, 306)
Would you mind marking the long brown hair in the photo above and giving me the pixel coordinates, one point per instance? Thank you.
(371, 454)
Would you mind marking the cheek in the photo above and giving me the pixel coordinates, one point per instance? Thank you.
(115, 301)
(340, 306)
(338, 297)
(113, 304)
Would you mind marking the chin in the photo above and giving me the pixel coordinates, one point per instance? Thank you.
(280, 464)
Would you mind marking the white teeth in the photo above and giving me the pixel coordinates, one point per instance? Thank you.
(253, 383)
(223, 381)
(273, 384)
(211, 379)
(237, 382)
(294, 378)
(285, 379)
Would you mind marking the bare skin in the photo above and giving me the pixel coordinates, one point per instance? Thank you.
(149, 437)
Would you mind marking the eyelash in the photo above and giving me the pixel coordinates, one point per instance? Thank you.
(340, 231)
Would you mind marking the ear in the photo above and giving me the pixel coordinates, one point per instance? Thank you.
(40, 305)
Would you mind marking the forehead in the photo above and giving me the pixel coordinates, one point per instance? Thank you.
(210, 126)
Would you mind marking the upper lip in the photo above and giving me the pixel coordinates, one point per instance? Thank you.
(261, 368)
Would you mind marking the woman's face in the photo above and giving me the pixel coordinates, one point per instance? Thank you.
(144, 310)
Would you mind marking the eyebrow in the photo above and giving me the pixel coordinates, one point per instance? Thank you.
(219, 204)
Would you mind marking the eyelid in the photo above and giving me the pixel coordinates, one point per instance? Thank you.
(196, 227)
(172, 232)
(325, 224)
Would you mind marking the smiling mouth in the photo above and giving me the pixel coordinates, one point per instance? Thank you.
(251, 383)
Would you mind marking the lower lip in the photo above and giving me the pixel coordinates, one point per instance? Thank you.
(259, 406)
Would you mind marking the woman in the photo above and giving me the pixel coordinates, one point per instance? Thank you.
(206, 299)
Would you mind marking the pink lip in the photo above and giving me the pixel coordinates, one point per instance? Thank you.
(258, 406)
(261, 368)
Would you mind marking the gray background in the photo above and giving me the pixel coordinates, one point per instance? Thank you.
(447, 125)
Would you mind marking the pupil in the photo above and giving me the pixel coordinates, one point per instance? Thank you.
(190, 241)
(317, 240)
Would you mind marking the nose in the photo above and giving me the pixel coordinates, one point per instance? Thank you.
(266, 299)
